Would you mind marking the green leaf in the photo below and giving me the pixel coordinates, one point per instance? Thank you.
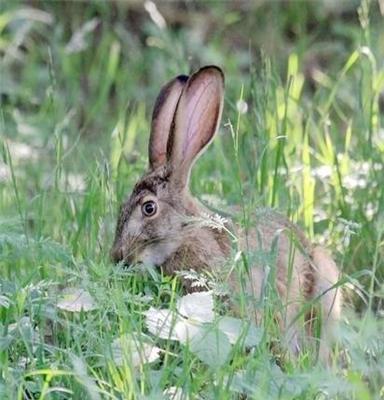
(236, 329)
(211, 346)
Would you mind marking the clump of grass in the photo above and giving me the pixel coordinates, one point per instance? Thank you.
(302, 132)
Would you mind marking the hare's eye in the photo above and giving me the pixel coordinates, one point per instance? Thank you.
(149, 208)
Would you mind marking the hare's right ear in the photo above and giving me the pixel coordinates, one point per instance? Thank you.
(162, 118)
(196, 120)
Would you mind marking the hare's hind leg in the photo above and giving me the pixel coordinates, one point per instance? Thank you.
(326, 275)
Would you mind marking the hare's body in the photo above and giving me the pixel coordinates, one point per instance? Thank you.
(161, 223)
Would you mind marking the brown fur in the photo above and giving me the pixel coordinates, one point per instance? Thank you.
(175, 237)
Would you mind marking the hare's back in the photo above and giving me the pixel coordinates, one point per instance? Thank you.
(277, 245)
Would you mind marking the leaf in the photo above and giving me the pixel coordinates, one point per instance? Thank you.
(159, 323)
(235, 328)
(80, 368)
(269, 381)
(174, 393)
(187, 330)
(195, 309)
(211, 346)
(4, 301)
(134, 351)
(76, 300)
(167, 325)
(197, 306)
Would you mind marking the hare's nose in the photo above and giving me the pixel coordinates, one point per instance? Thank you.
(117, 254)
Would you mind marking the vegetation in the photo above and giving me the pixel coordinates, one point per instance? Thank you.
(302, 132)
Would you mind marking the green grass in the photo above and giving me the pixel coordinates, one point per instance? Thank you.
(74, 130)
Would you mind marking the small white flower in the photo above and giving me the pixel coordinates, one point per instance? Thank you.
(76, 182)
(197, 280)
(76, 300)
(214, 221)
(370, 209)
(5, 172)
(242, 106)
(364, 167)
(355, 182)
(21, 151)
(23, 362)
(322, 172)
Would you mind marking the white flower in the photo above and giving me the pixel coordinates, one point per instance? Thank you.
(22, 151)
(371, 209)
(23, 362)
(355, 182)
(5, 172)
(214, 221)
(242, 106)
(76, 300)
(76, 182)
(322, 172)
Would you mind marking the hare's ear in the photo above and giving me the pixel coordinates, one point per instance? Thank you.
(162, 117)
(196, 120)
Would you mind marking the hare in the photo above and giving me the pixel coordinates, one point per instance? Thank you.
(160, 223)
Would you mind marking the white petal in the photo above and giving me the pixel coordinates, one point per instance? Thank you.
(76, 300)
(135, 352)
(197, 306)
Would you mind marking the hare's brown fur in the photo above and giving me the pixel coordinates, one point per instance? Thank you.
(185, 120)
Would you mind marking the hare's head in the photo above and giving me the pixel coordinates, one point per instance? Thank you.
(155, 221)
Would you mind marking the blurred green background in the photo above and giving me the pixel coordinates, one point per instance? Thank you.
(78, 80)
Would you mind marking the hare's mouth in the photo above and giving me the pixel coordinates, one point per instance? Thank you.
(154, 253)
(128, 263)
(125, 260)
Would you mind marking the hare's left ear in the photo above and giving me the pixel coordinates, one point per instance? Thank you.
(196, 120)
(162, 118)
